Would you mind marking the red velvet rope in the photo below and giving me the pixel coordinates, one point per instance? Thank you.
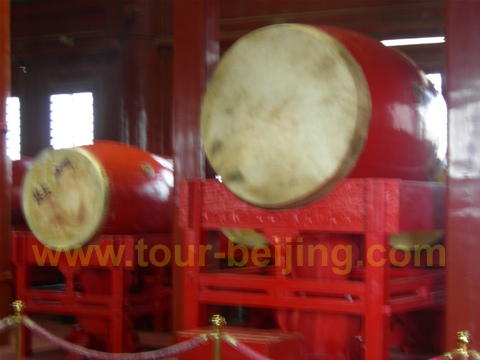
(243, 349)
(7, 323)
(171, 351)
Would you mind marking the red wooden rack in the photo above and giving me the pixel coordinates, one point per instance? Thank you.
(112, 311)
(374, 208)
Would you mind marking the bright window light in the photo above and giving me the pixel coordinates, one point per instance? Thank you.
(415, 41)
(13, 126)
(71, 120)
(436, 80)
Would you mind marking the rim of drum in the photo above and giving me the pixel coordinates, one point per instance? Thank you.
(409, 240)
(232, 107)
(65, 203)
(246, 237)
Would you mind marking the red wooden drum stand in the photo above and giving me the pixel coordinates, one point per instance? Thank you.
(371, 208)
(105, 309)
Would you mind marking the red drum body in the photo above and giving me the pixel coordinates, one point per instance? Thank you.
(72, 195)
(292, 109)
(407, 136)
(19, 169)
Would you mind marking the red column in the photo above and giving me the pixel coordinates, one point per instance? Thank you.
(377, 317)
(195, 54)
(146, 124)
(463, 184)
(5, 296)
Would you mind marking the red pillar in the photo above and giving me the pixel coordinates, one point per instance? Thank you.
(463, 202)
(5, 274)
(145, 124)
(195, 53)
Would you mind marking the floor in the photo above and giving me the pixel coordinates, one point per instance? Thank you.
(42, 350)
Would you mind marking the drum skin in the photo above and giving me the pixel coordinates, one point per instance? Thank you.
(72, 195)
(292, 109)
(19, 169)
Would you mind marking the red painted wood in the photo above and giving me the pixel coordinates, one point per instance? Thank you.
(144, 122)
(342, 210)
(463, 198)
(376, 291)
(379, 19)
(195, 54)
(5, 293)
(273, 344)
(135, 197)
(103, 305)
(377, 334)
(407, 151)
(19, 168)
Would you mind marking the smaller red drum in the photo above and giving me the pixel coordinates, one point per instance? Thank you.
(72, 195)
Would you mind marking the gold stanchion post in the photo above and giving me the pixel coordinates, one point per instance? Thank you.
(218, 321)
(463, 339)
(18, 308)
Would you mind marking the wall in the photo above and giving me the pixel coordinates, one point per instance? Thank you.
(116, 49)
(463, 203)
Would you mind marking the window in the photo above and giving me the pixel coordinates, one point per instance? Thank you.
(414, 41)
(13, 126)
(436, 80)
(71, 120)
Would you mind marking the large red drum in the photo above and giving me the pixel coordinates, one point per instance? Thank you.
(72, 195)
(292, 109)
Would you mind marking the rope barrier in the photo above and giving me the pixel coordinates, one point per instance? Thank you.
(243, 349)
(7, 323)
(218, 321)
(171, 351)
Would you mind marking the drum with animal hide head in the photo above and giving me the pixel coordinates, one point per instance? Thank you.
(292, 109)
(72, 195)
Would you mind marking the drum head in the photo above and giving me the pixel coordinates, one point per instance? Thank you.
(65, 197)
(412, 239)
(285, 115)
(246, 237)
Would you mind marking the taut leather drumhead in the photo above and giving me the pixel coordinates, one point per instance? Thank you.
(419, 238)
(65, 197)
(246, 237)
(285, 115)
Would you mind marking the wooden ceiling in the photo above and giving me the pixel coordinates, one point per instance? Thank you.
(390, 19)
(380, 19)
(36, 25)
